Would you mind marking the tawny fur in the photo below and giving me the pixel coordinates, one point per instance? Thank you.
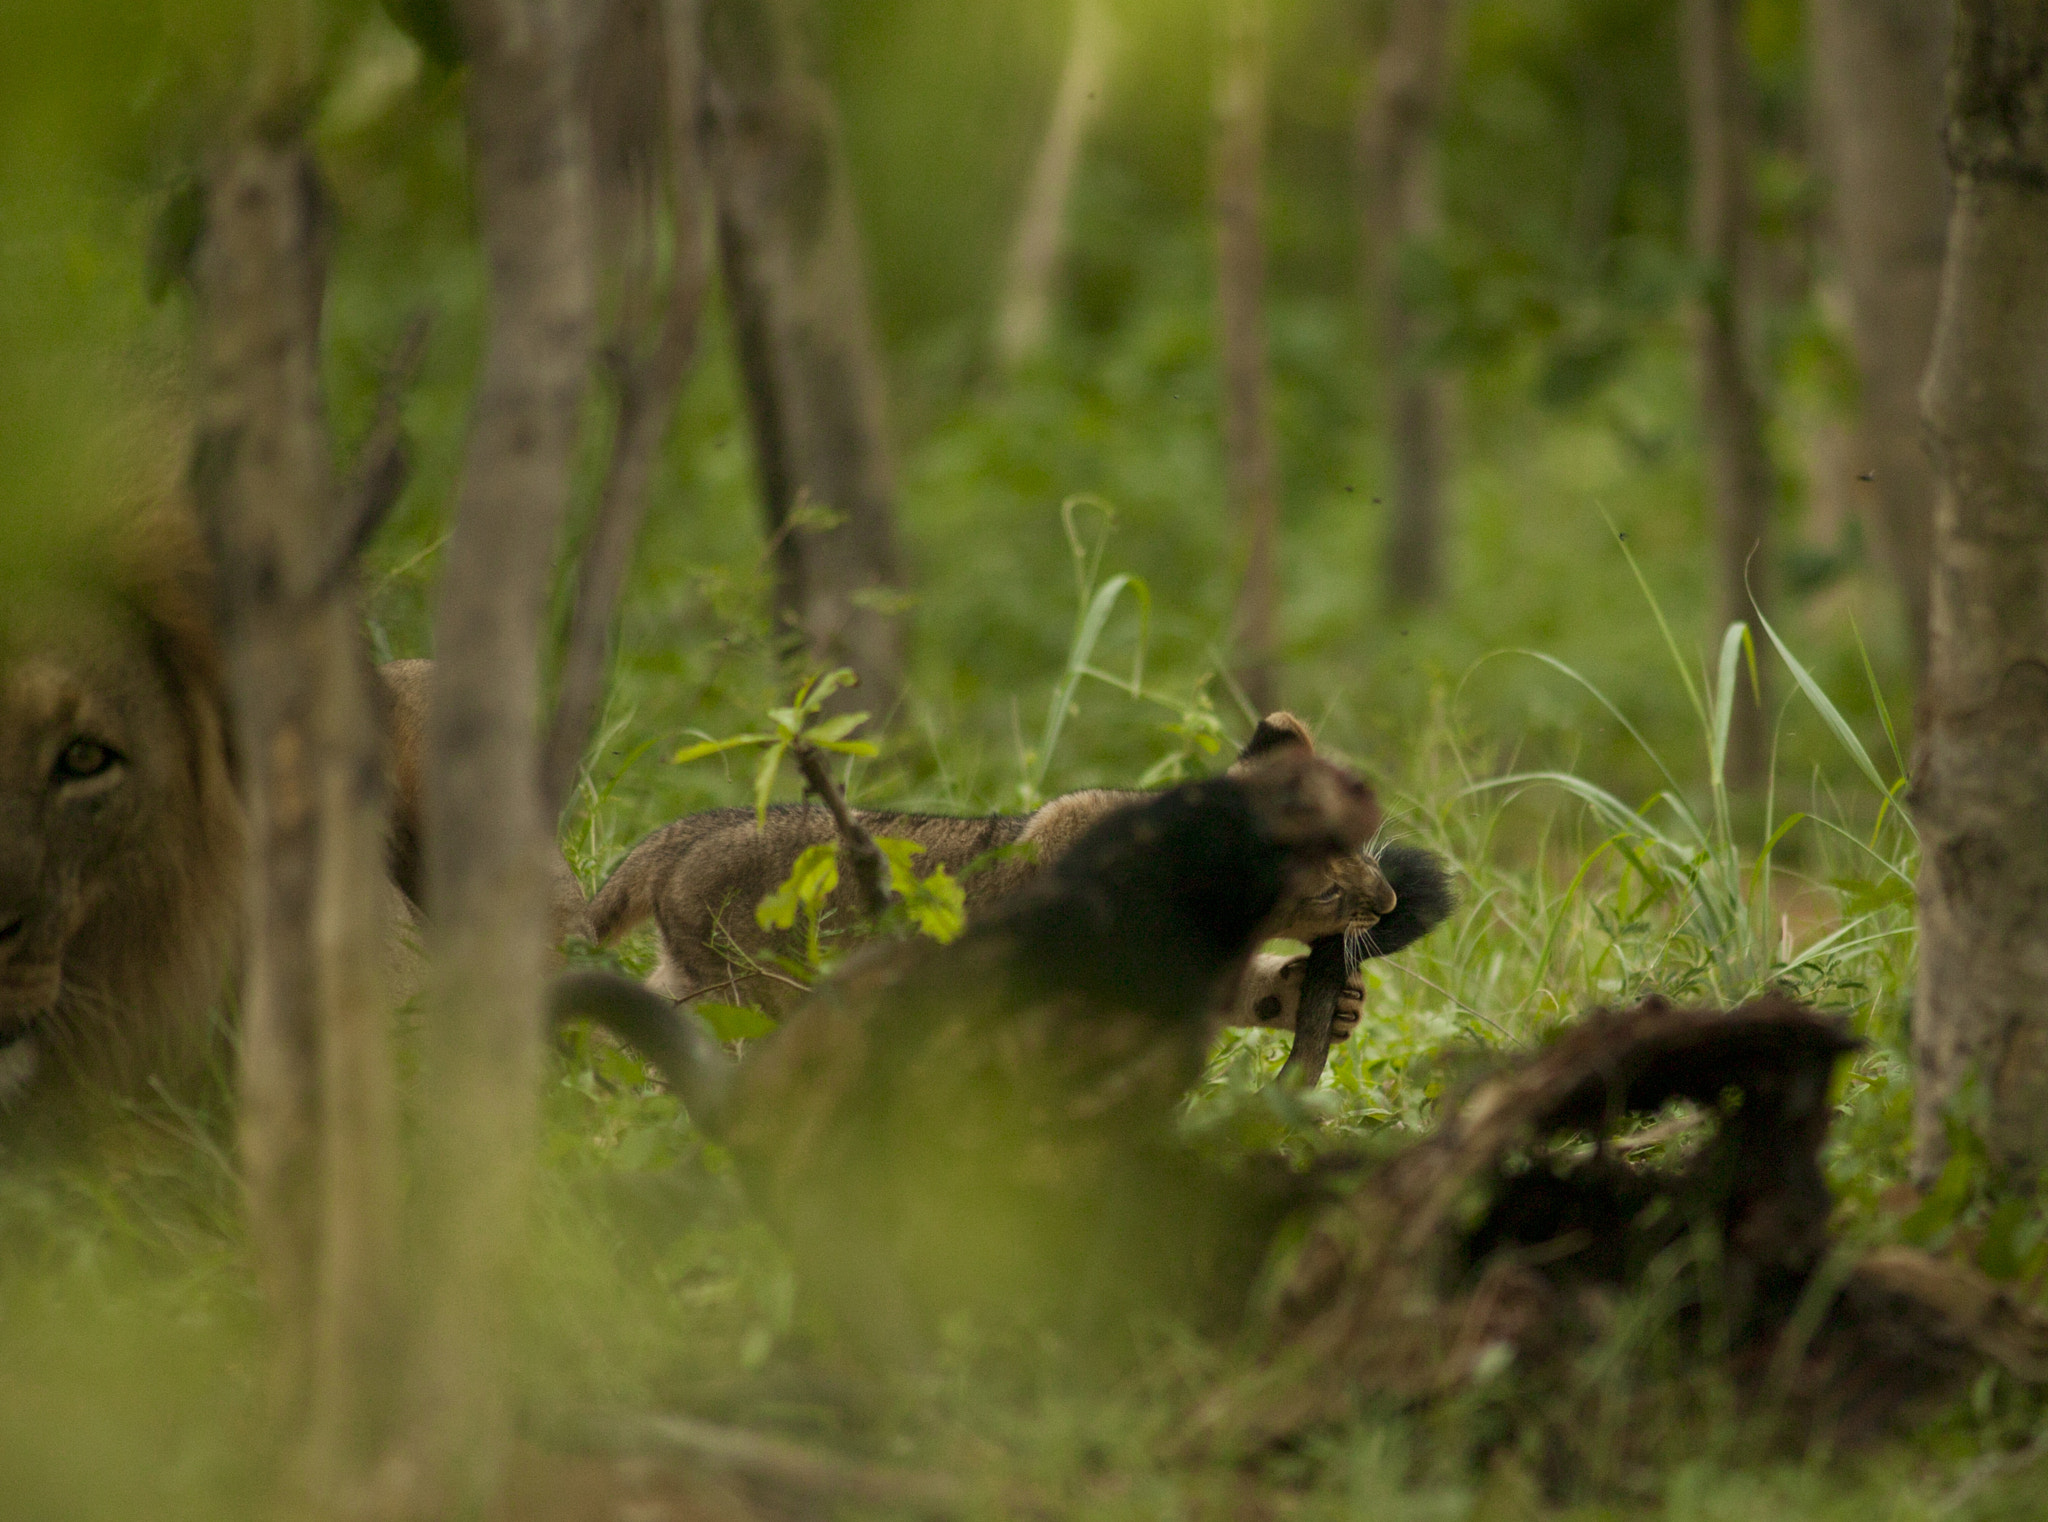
(120, 893)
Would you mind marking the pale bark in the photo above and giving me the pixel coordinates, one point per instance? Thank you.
(1398, 147)
(1719, 120)
(1241, 335)
(319, 1128)
(650, 356)
(1877, 82)
(1980, 789)
(1024, 309)
(789, 249)
(488, 842)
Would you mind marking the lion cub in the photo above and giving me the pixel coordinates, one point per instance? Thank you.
(701, 877)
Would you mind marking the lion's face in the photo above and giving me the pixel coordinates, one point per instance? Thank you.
(118, 841)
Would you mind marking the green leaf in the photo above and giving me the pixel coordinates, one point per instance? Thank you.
(846, 747)
(733, 1022)
(938, 905)
(764, 779)
(812, 877)
(835, 729)
(712, 747)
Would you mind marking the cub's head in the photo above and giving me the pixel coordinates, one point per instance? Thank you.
(120, 835)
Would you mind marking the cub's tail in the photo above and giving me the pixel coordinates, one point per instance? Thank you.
(627, 896)
(1421, 881)
(691, 1063)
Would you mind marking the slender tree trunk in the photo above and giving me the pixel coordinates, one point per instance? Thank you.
(1241, 310)
(487, 839)
(646, 53)
(319, 1127)
(1024, 309)
(1398, 148)
(1877, 80)
(1980, 790)
(1719, 123)
(789, 246)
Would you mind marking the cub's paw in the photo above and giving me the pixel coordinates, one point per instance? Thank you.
(1270, 996)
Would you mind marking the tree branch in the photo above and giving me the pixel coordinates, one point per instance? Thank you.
(870, 868)
(383, 463)
(765, 1459)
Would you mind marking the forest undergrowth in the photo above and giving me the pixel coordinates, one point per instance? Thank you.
(653, 1289)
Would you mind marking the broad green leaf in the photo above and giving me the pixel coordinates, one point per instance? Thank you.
(812, 877)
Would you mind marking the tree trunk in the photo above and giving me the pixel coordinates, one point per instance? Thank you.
(1398, 147)
(1719, 123)
(1980, 790)
(1877, 80)
(1240, 305)
(1024, 309)
(789, 246)
(319, 1108)
(487, 840)
(646, 54)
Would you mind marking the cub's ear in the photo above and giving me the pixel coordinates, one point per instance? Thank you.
(1276, 731)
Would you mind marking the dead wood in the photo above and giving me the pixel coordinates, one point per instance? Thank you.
(487, 841)
(794, 1470)
(648, 361)
(870, 868)
(1497, 1244)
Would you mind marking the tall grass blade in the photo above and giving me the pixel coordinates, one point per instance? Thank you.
(1692, 692)
(1674, 795)
(1079, 654)
(1724, 704)
(1832, 715)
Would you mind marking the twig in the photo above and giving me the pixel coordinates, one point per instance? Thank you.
(870, 867)
(383, 463)
(647, 394)
(791, 1466)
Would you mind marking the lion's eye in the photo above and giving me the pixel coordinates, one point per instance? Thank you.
(1330, 895)
(83, 759)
